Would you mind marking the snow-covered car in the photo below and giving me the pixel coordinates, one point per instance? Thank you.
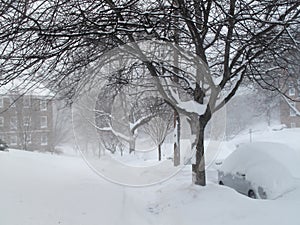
(3, 146)
(260, 170)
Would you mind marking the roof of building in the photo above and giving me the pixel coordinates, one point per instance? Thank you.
(25, 87)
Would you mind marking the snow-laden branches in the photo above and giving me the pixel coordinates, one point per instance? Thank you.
(291, 105)
(209, 47)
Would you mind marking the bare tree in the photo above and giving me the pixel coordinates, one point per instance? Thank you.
(158, 128)
(121, 116)
(62, 124)
(58, 42)
(22, 121)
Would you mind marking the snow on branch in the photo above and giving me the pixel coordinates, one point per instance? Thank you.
(108, 128)
(190, 106)
(141, 121)
(291, 105)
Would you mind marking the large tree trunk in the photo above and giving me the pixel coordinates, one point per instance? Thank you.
(131, 146)
(198, 169)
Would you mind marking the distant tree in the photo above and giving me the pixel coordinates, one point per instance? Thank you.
(158, 128)
(62, 124)
(251, 106)
(22, 119)
(121, 116)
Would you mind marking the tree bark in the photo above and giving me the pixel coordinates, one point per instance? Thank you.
(131, 146)
(159, 152)
(198, 169)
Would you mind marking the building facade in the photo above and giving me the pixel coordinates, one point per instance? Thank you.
(26, 121)
(290, 110)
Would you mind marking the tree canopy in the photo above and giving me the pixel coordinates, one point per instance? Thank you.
(58, 42)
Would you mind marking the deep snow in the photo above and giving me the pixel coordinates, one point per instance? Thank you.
(45, 189)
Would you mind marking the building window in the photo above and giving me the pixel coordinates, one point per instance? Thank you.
(298, 82)
(13, 123)
(12, 102)
(292, 91)
(291, 88)
(1, 121)
(26, 121)
(293, 125)
(26, 101)
(44, 139)
(43, 105)
(292, 111)
(1, 102)
(43, 121)
(13, 139)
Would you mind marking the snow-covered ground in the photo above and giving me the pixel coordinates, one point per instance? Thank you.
(45, 189)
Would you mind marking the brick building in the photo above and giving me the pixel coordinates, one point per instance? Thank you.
(290, 110)
(26, 118)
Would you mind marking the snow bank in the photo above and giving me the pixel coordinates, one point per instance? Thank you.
(47, 189)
